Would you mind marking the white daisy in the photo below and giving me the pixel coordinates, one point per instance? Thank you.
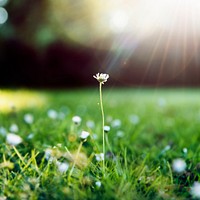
(195, 190)
(120, 134)
(99, 157)
(14, 128)
(106, 129)
(116, 123)
(62, 166)
(98, 184)
(179, 165)
(3, 131)
(90, 124)
(102, 78)
(84, 134)
(30, 136)
(28, 118)
(185, 150)
(161, 102)
(77, 120)
(134, 119)
(13, 139)
(52, 114)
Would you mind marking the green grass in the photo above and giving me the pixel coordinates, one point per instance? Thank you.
(137, 164)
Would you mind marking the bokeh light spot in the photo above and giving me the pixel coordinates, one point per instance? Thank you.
(3, 2)
(3, 15)
(118, 21)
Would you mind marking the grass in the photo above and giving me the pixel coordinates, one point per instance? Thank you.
(156, 125)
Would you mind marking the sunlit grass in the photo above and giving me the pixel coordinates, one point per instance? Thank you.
(20, 99)
(156, 128)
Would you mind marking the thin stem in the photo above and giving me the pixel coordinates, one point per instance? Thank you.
(75, 160)
(103, 122)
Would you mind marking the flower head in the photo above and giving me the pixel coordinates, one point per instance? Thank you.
(106, 129)
(102, 78)
(62, 166)
(98, 184)
(14, 128)
(99, 157)
(195, 190)
(77, 120)
(84, 134)
(13, 139)
(52, 114)
(179, 165)
(28, 118)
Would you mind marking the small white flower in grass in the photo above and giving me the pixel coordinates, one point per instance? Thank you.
(52, 114)
(102, 78)
(161, 102)
(94, 136)
(116, 123)
(120, 134)
(13, 139)
(195, 190)
(90, 124)
(62, 166)
(98, 184)
(3, 131)
(30, 136)
(48, 154)
(134, 119)
(106, 129)
(61, 115)
(28, 118)
(99, 157)
(84, 134)
(179, 165)
(14, 128)
(185, 150)
(77, 120)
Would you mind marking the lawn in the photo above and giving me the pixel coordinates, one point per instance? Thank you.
(150, 131)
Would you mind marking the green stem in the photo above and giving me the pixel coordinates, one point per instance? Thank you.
(75, 160)
(103, 122)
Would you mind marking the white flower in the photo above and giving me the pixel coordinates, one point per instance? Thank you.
(161, 102)
(30, 136)
(94, 136)
(62, 166)
(120, 133)
(134, 119)
(179, 165)
(98, 183)
(102, 78)
(195, 190)
(106, 129)
(76, 120)
(14, 128)
(3, 131)
(13, 139)
(28, 118)
(52, 114)
(116, 123)
(61, 115)
(90, 124)
(48, 154)
(84, 134)
(99, 157)
(185, 150)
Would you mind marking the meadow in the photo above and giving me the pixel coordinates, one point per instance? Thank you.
(152, 148)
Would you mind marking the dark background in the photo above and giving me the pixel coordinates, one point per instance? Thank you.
(33, 53)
